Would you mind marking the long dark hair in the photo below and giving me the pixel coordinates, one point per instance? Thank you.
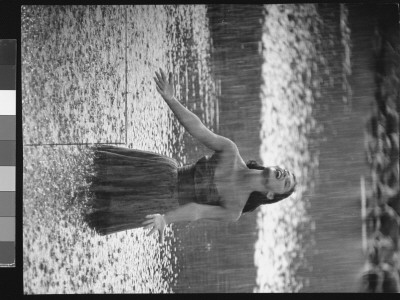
(258, 198)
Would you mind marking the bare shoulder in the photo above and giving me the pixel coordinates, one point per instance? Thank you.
(227, 144)
(231, 153)
(229, 147)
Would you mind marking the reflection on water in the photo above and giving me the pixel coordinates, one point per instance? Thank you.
(287, 95)
(74, 74)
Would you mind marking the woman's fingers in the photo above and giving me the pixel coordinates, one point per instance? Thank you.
(164, 77)
(170, 78)
(154, 229)
(147, 222)
(152, 223)
(158, 85)
(159, 77)
(161, 237)
(149, 226)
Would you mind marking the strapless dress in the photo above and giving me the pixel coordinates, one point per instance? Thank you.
(128, 184)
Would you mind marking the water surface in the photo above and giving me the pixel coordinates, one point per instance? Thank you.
(277, 83)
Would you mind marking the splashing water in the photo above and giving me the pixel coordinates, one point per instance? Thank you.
(286, 120)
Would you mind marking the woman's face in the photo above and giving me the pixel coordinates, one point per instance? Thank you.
(278, 180)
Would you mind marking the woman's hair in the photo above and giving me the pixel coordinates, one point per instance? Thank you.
(258, 198)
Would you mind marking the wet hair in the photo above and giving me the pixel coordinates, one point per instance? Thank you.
(258, 198)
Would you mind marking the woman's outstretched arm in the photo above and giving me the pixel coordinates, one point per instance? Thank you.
(189, 212)
(189, 120)
(194, 212)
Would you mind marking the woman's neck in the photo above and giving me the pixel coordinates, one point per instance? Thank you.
(252, 180)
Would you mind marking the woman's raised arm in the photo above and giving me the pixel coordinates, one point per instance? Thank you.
(189, 212)
(189, 120)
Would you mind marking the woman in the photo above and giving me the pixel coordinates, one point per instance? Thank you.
(130, 184)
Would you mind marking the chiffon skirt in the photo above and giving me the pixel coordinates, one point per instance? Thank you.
(128, 185)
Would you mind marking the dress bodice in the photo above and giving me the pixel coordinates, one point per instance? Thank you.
(196, 182)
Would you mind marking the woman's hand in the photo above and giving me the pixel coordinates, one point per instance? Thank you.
(165, 86)
(156, 222)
